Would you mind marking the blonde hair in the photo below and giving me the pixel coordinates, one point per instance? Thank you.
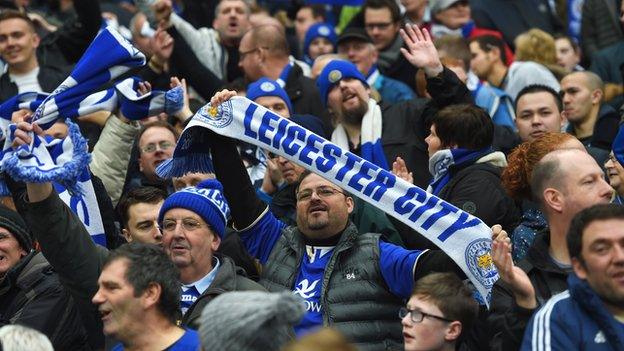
(537, 46)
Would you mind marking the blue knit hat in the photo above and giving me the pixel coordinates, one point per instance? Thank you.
(267, 87)
(206, 199)
(335, 71)
(323, 30)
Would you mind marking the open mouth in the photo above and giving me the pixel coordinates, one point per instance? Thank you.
(407, 337)
(105, 314)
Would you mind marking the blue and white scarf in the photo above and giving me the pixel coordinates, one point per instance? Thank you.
(462, 236)
(370, 136)
(65, 161)
(108, 56)
(442, 160)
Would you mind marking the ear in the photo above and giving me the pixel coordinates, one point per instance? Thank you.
(140, 164)
(553, 198)
(126, 235)
(350, 204)
(596, 96)
(579, 268)
(151, 295)
(494, 54)
(453, 331)
(36, 40)
(216, 241)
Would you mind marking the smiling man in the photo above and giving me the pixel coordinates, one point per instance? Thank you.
(18, 49)
(590, 314)
(139, 300)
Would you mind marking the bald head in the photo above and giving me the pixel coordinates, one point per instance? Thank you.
(566, 181)
(272, 38)
(590, 79)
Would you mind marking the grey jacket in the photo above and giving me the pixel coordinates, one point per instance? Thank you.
(354, 296)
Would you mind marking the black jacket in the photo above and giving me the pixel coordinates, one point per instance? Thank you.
(507, 320)
(477, 189)
(49, 78)
(406, 124)
(66, 46)
(305, 96)
(33, 296)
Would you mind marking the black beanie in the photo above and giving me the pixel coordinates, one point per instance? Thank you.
(13, 222)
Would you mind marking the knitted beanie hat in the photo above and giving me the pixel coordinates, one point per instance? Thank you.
(206, 199)
(13, 222)
(334, 72)
(250, 320)
(323, 30)
(267, 87)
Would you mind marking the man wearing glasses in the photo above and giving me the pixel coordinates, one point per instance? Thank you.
(382, 21)
(352, 281)
(156, 143)
(192, 223)
(440, 309)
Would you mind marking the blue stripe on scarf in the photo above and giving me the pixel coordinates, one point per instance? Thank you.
(373, 152)
(108, 57)
(460, 158)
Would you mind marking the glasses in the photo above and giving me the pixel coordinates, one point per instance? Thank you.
(188, 224)
(321, 191)
(380, 26)
(242, 54)
(152, 147)
(612, 158)
(417, 316)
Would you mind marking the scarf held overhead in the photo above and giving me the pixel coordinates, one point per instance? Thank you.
(465, 238)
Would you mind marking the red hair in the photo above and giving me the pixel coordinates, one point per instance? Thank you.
(520, 163)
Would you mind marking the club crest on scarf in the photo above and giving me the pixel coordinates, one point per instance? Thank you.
(465, 238)
(219, 117)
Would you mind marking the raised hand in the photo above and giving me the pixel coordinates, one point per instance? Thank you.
(400, 170)
(514, 276)
(420, 50)
(163, 45)
(186, 109)
(22, 134)
(221, 97)
(162, 11)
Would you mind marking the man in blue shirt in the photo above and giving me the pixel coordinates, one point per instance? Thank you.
(354, 282)
(138, 299)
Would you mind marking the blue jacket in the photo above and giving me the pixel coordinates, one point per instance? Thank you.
(575, 319)
(497, 103)
(391, 90)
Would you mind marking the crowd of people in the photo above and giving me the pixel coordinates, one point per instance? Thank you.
(508, 111)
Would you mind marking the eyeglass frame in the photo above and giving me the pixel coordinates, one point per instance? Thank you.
(243, 54)
(157, 146)
(334, 191)
(175, 221)
(404, 311)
